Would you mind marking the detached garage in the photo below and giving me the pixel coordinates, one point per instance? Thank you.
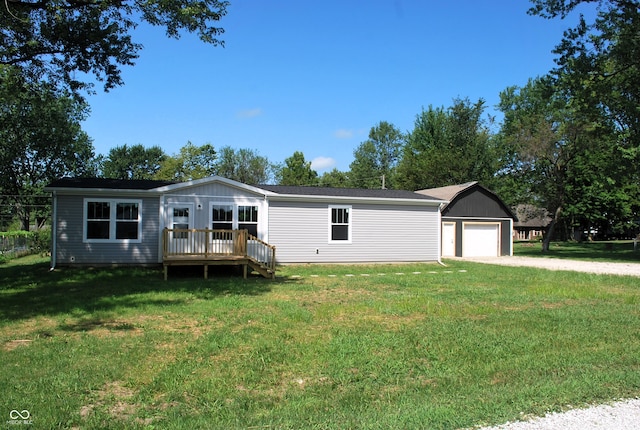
(475, 222)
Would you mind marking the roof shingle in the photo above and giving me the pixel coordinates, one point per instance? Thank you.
(109, 184)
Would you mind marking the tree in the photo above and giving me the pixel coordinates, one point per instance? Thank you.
(448, 147)
(375, 159)
(564, 159)
(599, 65)
(297, 171)
(55, 39)
(598, 69)
(244, 165)
(192, 162)
(334, 179)
(133, 162)
(41, 139)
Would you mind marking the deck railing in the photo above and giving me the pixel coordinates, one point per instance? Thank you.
(209, 244)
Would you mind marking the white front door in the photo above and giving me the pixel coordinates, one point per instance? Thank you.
(448, 239)
(180, 218)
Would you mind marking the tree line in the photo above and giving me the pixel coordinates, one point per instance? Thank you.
(568, 141)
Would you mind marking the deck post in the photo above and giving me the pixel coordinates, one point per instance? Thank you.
(165, 242)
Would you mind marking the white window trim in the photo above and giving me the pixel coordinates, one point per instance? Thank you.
(113, 202)
(330, 224)
(170, 219)
(235, 222)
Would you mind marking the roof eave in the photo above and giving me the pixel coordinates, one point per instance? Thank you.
(110, 191)
(346, 199)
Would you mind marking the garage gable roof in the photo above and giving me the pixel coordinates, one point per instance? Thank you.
(452, 193)
(447, 193)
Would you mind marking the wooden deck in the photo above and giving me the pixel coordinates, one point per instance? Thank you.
(197, 247)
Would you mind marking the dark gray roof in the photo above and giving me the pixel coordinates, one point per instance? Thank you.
(345, 192)
(110, 184)
(120, 184)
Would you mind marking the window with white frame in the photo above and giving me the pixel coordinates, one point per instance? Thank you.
(112, 220)
(340, 224)
(248, 219)
(234, 217)
(222, 217)
(180, 218)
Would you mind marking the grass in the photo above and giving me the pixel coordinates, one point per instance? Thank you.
(406, 346)
(610, 251)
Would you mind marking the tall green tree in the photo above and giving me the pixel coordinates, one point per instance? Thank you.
(563, 157)
(244, 165)
(599, 62)
(192, 162)
(133, 162)
(41, 139)
(598, 69)
(297, 171)
(56, 39)
(376, 158)
(448, 147)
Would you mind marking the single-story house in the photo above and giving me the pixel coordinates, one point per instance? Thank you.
(116, 222)
(475, 221)
(532, 222)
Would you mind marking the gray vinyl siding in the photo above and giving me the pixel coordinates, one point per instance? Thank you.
(380, 233)
(202, 196)
(72, 250)
(213, 190)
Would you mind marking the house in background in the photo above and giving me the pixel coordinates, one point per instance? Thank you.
(532, 222)
(475, 221)
(115, 222)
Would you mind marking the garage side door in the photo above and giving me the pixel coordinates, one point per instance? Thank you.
(448, 239)
(480, 239)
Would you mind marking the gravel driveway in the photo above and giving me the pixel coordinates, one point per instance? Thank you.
(623, 415)
(630, 269)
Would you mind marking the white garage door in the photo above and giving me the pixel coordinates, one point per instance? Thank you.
(480, 239)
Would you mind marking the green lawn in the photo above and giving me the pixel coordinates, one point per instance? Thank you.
(336, 347)
(611, 251)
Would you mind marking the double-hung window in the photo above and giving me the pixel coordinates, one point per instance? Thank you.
(340, 224)
(234, 217)
(112, 220)
(222, 217)
(248, 219)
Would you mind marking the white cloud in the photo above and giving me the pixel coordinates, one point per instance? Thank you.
(343, 133)
(249, 113)
(322, 163)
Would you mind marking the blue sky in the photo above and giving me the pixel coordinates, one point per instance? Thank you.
(309, 76)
